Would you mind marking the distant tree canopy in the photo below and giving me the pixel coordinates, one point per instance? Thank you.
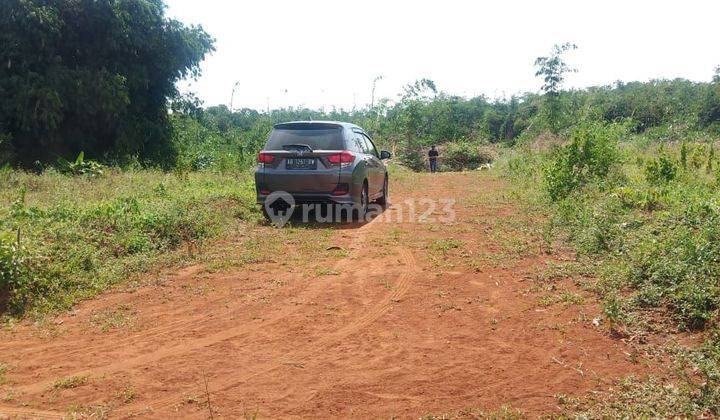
(93, 76)
(424, 115)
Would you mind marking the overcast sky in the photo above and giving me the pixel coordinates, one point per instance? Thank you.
(324, 53)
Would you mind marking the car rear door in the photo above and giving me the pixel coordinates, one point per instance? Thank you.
(300, 158)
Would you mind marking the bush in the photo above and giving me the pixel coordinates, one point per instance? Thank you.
(80, 166)
(590, 154)
(464, 155)
(413, 159)
(660, 170)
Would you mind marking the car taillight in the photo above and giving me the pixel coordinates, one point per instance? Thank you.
(343, 158)
(266, 157)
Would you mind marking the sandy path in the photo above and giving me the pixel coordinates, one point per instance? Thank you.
(402, 324)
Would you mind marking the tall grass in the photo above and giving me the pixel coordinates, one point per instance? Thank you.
(65, 238)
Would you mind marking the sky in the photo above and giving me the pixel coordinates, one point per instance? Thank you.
(320, 54)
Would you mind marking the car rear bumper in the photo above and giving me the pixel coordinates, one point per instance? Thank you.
(313, 198)
(321, 188)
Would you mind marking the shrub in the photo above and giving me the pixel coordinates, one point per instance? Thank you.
(80, 166)
(590, 154)
(660, 170)
(413, 159)
(13, 272)
(464, 155)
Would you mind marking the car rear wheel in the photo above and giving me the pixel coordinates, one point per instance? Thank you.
(364, 201)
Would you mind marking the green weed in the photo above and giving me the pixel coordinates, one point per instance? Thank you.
(69, 382)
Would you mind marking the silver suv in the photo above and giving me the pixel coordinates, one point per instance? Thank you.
(322, 162)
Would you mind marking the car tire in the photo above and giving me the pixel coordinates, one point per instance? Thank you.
(383, 200)
(363, 204)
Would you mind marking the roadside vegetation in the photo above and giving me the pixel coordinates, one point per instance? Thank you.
(64, 238)
(640, 209)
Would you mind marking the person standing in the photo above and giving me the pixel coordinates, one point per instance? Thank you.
(432, 157)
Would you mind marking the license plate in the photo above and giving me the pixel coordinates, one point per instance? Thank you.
(300, 163)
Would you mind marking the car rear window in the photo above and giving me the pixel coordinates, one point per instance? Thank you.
(318, 138)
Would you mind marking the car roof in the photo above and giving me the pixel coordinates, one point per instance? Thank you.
(319, 123)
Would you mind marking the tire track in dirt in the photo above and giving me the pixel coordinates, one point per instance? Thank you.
(166, 329)
(30, 413)
(228, 382)
(183, 347)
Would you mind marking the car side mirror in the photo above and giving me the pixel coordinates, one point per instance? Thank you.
(384, 154)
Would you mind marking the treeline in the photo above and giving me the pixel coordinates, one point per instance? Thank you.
(100, 76)
(667, 109)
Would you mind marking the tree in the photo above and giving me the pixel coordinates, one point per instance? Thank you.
(709, 112)
(553, 69)
(93, 76)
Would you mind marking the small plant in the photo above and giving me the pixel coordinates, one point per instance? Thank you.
(14, 273)
(325, 271)
(70, 382)
(81, 166)
(445, 245)
(612, 310)
(683, 154)
(710, 159)
(126, 395)
(3, 370)
(660, 170)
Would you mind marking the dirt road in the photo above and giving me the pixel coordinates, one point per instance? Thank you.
(391, 318)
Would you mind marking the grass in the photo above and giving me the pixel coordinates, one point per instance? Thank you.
(566, 297)
(506, 412)
(4, 368)
(326, 271)
(445, 245)
(113, 318)
(69, 382)
(65, 238)
(126, 395)
(643, 224)
(635, 398)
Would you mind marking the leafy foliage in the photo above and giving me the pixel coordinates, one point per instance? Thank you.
(12, 266)
(464, 155)
(553, 68)
(80, 166)
(590, 154)
(660, 170)
(91, 76)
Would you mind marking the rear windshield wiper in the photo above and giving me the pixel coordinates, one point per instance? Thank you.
(297, 146)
